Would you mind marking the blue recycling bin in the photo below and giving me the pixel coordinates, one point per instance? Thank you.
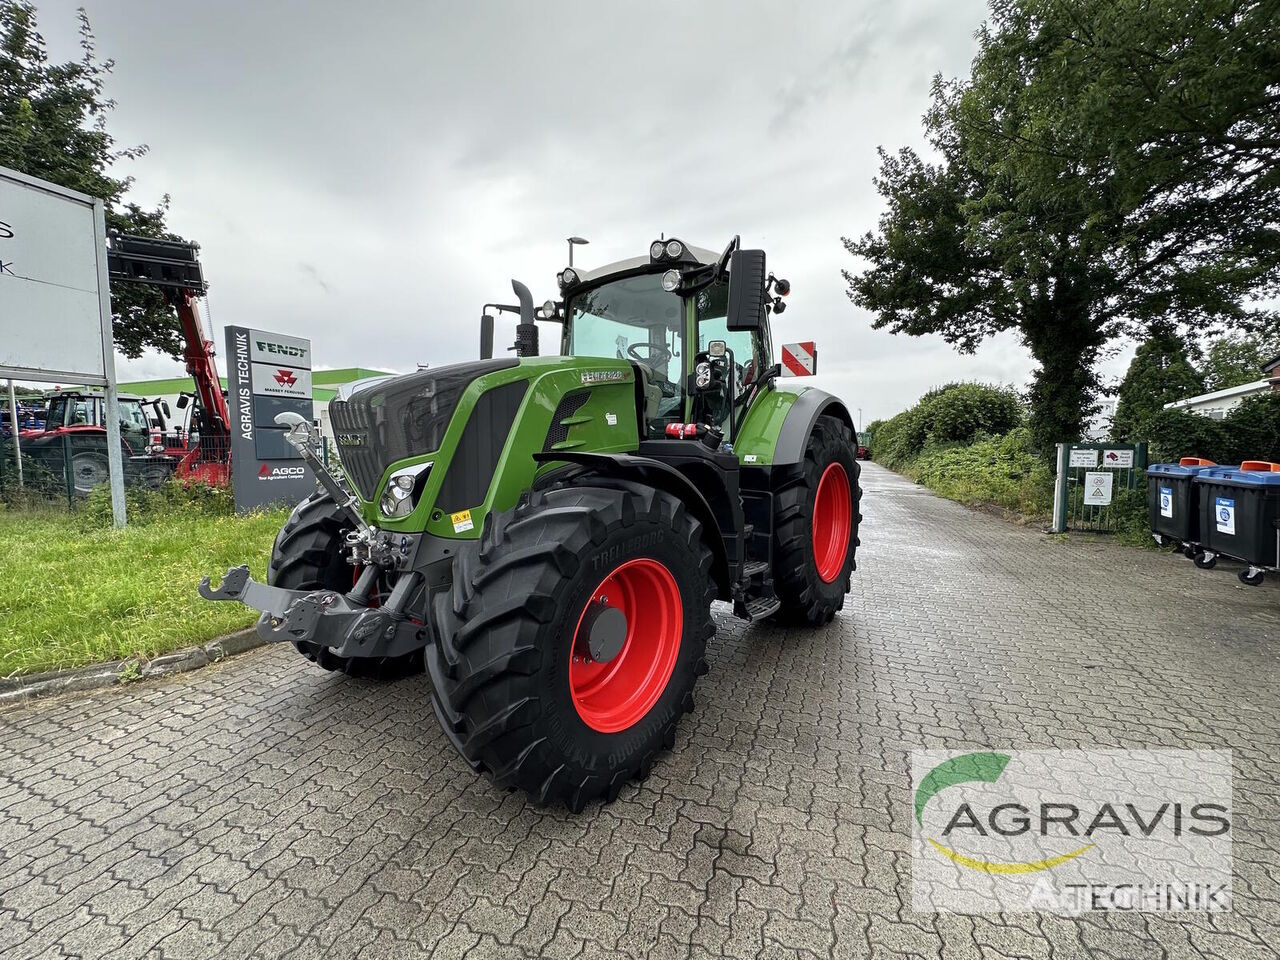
(1173, 502)
(1240, 515)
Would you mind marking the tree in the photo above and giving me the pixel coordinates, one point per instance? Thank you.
(1232, 361)
(1109, 168)
(53, 126)
(1160, 372)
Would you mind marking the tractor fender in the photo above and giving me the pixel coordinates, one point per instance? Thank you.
(655, 473)
(804, 413)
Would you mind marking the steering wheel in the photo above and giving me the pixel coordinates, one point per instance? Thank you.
(659, 353)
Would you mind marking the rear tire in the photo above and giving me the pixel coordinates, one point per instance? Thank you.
(89, 469)
(307, 555)
(507, 688)
(811, 573)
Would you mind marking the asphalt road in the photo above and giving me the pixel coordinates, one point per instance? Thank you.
(262, 807)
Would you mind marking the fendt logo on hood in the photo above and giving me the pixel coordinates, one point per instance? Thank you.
(280, 473)
(285, 377)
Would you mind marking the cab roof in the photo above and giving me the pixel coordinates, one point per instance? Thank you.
(90, 394)
(701, 254)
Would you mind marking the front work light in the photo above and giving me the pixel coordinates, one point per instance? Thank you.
(655, 250)
(403, 490)
(671, 281)
(674, 248)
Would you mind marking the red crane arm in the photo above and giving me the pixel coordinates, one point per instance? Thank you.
(198, 352)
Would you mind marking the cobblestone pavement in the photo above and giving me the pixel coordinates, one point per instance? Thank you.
(261, 807)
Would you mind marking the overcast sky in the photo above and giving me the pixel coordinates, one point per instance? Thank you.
(367, 175)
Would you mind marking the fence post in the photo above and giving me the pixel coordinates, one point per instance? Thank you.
(13, 421)
(67, 475)
(1060, 492)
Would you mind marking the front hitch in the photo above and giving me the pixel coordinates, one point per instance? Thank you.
(325, 617)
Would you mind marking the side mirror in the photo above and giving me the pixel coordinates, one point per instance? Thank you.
(747, 295)
(486, 337)
(164, 405)
(183, 400)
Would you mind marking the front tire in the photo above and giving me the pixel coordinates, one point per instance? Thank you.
(816, 526)
(514, 682)
(307, 555)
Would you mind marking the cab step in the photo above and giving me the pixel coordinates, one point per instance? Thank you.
(759, 608)
(754, 568)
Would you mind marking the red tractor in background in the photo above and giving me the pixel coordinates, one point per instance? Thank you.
(204, 447)
(74, 439)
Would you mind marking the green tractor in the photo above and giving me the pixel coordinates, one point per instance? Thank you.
(545, 535)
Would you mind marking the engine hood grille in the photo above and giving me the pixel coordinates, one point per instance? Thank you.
(393, 419)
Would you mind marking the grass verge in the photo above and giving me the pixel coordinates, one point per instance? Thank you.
(998, 472)
(76, 592)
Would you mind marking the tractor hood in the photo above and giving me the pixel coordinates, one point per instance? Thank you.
(398, 417)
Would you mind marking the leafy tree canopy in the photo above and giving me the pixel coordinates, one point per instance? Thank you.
(1109, 167)
(1161, 372)
(53, 120)
(1232, 361)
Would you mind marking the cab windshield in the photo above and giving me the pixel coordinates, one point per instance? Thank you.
(634, 319)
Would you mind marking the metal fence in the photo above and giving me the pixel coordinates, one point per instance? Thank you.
(1092, 479)
(66, 468)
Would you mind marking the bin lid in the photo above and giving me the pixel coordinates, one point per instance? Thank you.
(1239, 478)
(1176, 470)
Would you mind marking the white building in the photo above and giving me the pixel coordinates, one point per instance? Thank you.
(1218, 404)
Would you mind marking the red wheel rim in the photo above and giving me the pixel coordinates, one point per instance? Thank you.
(832, 518)
(616, 695)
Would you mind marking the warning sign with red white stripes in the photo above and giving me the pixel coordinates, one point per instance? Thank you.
(799, 359)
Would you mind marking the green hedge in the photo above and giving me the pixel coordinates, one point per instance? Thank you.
(1003, 471)
(959, 413)
(1249, 432)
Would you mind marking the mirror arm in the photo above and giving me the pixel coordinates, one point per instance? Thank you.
(723, 263)
(765, 379)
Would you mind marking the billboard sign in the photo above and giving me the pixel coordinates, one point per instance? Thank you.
(268, 374)
(52, 285)
(55, 302)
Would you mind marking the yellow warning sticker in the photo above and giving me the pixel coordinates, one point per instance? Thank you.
(462, 521)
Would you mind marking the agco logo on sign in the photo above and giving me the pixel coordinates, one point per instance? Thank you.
(281, 473)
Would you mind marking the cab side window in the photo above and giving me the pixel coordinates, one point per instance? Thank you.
(752, 352)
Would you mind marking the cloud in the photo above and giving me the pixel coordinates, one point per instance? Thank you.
(368, 176)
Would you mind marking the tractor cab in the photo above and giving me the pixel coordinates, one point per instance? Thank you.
(631, 310)
(86, 410)
(696, 333)
(696, 329)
